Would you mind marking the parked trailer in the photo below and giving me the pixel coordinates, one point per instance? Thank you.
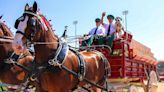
(129, 69)
(160, 70)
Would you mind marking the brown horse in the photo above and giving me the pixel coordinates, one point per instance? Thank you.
(56, 75)
(9, 73)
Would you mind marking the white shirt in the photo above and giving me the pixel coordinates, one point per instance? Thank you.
(112, 28)
(100, 31)
(118, 35)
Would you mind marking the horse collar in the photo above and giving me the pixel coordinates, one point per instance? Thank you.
(60, 55)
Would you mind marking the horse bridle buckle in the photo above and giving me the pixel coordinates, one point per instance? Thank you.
(54, 62)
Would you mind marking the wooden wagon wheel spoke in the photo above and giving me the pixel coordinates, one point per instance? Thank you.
(153, 82)
(133, 89)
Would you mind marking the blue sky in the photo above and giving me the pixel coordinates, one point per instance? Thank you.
(145, 18)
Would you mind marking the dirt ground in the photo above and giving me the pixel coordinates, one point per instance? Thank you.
(160, 87)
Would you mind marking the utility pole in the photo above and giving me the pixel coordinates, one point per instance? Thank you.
(75, 23)
(125, 13)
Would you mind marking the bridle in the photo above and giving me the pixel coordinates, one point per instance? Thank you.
(52, 62)
(31, 36)
(33, 75)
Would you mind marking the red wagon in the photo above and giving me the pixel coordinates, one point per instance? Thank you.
(132, 64)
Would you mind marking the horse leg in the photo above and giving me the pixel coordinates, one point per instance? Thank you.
(39, 88)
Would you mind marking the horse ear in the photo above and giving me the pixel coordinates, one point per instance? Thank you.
(1, 16)
(26, 7)
(35, 7)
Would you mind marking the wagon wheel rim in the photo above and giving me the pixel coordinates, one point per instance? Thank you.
(153, 82)
(133, 89)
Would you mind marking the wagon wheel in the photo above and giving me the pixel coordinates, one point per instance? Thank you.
(152, 82)
(133, 89)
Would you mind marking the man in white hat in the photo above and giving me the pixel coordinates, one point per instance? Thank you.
(109, 29)
(99, 30)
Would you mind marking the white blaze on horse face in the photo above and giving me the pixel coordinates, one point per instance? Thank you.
(23, 24)
(17, 43)
(21, 27)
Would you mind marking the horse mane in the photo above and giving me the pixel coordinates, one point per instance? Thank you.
(6, 30)
(45, 52)
(45, 20)
(47, 23)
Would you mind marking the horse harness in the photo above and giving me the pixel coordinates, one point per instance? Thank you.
(11, 61)
(56, 64)
(13, 58)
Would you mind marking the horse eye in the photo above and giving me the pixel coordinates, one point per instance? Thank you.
(33, 22)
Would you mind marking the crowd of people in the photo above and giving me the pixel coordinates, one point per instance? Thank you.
(105, 33)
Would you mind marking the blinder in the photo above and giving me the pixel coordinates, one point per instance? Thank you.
(22, 18)
(32, 22)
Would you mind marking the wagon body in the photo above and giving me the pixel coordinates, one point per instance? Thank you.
(123, 66)
(130, 61)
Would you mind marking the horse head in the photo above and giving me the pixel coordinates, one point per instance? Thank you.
(5, 34)
(33, 27)
(5, 31)
(9, 72)
(1, 31)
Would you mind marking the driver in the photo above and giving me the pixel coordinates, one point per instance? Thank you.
(99, 30)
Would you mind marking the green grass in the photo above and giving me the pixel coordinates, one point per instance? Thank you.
(2, 88)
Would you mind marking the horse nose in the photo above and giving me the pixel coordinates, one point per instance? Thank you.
(19, 47)
(16, 44)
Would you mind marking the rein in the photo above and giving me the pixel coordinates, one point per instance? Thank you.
(7, 37)
(12, 62)
(84, 79)
(53, 62)
(5, 40)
